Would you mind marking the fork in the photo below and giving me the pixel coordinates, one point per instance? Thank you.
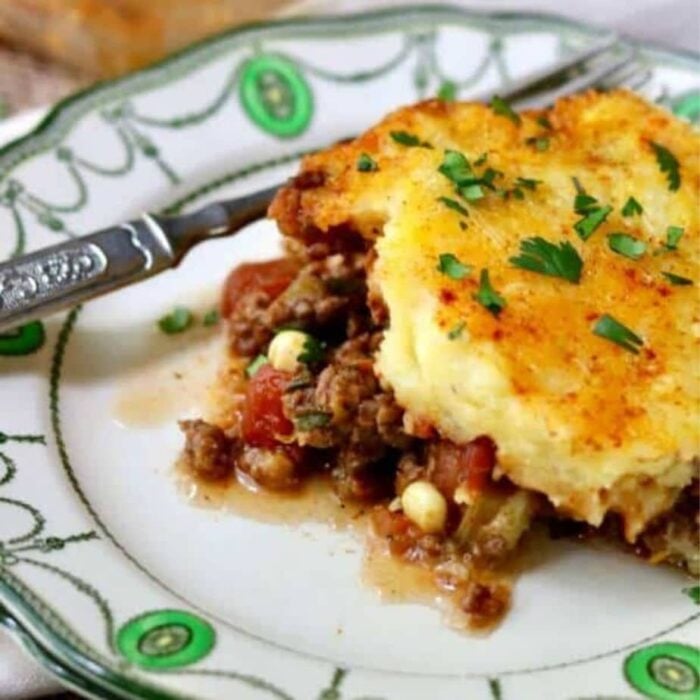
(61, 276)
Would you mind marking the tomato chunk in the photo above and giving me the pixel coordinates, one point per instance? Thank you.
(469, 464)
(263, 421)
(271, 277)
(479, 461)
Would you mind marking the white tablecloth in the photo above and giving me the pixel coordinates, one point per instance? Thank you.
(671, 22)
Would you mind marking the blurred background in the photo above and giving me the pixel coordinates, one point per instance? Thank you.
(50, 48)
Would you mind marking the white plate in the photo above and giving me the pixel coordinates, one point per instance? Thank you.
(107, 574)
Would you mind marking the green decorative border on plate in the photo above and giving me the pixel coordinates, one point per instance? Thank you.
(275, 95)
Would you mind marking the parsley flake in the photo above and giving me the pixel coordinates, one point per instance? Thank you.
(539, 143)
(528, 183)
(211, 318)
(312, 351)
(456, 331)
(586, 226)
(611, 329)
(632, 207)
(455, 167)
(367, 164)
(177, 321)
(312, 419)
(410, 140)
(693, 592)
(481, 160)
(252, 369)
(673, 237)
(539, 255)
(668, 164)
(502, 108)
(453, 204)
(472, 192)
(487, 296)
(447, 91)
(677, 280)
(451, 266)
(629, 246)
(584, 203)
(544, 122)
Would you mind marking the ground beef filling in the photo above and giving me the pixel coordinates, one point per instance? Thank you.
(332, 416)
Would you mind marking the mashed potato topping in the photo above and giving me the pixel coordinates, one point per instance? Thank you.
(588, 380)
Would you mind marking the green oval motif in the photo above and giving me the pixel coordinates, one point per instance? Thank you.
(23, 341)
(666, 671)
(687, 106)
(165, 639)
(276, 96)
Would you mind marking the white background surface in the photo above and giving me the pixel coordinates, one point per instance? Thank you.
(675, 23)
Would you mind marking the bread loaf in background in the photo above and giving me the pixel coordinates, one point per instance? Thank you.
(104, 38)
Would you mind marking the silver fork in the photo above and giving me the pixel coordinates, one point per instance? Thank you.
(61, 276)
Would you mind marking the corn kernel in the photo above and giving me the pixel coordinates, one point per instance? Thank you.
(425, 506)
(285, 348)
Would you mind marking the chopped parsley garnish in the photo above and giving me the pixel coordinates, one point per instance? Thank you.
(451, 266)
(472, 192)
(609, 328)
(668, 164)
(544, 122)
(456, 331)
(456, 168)
(586, 226)
(177, 321)
(673, 237)
(211, 318)
(487, 296)
(410, 140)
(312, 419)
(252, 369)
(677, 280)
(453, 204)
(528, 183)
(627, 245)
(593, 214)
(312, 351)
(447, 91)
(366, 164)
(584, 203)
(693, 592)
(539, 143)
(632, 207)
(481, 160)
(539, 255)
(502, 108)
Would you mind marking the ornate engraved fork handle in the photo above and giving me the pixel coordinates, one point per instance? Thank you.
(67, 274)
(63, 275)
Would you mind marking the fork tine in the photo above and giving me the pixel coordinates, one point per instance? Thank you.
(539, 80)
(596, 76)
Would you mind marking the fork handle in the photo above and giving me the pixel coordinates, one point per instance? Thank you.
(63, 275)
(57, 278)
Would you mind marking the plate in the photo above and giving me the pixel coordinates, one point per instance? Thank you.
(108, 575)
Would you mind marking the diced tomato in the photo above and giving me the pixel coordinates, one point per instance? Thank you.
(469, 464)
(271, 277)
(479, 459)
(389, 524)
(263, 418)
